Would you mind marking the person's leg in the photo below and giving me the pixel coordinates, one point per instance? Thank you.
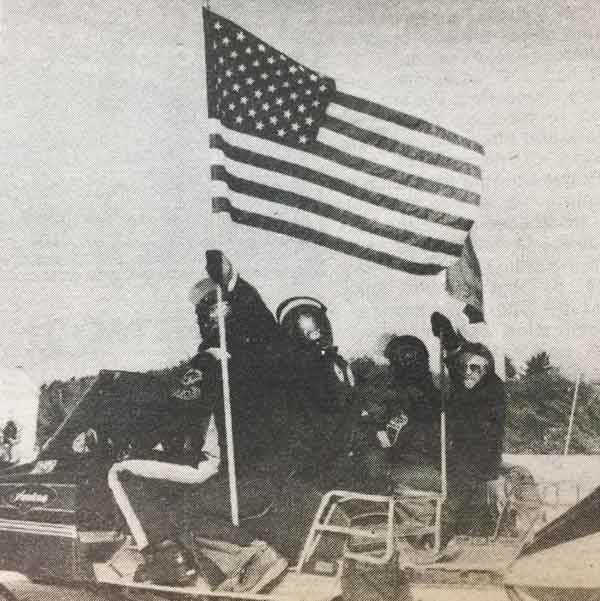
(238, 551)
(412, 511)
(287, 524)
(171, 537)
(423, 476)
(278, 511)
(172, 472)
(476, 517)
(375, 465)
(207, 508)
(154, 508)
(465, 506)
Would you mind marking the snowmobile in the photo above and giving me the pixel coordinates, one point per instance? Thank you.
(61, 531)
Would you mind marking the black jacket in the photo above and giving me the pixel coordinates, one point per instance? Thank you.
(250, 328)
(317, 409)
(251, 333)
(475, 421)
(416, 406)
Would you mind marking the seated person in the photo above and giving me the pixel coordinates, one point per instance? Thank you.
(249, 327)
(404, 439)
(174, 465)
(312, 421)
(475, 424)
(317, 391)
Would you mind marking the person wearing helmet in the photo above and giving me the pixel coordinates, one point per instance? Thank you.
(305, 323)
(318, 393)
(139, 485)
(312, 421)
(475, 415)
(476, 405)
(148, 485)
(404, 421)
(250, 324)
(304, 414)
(251, 335)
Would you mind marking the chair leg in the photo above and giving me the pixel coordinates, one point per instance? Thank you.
(437, 541)
(310, 545)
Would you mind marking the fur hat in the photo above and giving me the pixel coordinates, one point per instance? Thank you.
(476, 348)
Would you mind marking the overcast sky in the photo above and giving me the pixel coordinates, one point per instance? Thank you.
(104, 214)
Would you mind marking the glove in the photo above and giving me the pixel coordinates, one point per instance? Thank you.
(441, 326)
(395, 426)
(189, 387)
(218, 267)
(217, 353)
(192, 376)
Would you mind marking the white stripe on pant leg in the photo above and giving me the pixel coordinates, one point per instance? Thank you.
(170, 472)
(161, 470)
(154, 470)
(124, 504)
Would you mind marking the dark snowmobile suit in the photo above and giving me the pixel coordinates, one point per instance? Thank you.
(407, 416)
(203, 508)
(319, 411)
(402, 419)
(475, 419)
(312, 424)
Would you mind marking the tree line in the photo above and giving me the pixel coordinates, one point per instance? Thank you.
(539, 402)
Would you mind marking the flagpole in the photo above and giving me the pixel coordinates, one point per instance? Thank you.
(571, 419)
(443, 468)
(235, 517)
(218, 239)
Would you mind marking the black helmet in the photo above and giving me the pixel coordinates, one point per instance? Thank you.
(304, 320)
(408, 357)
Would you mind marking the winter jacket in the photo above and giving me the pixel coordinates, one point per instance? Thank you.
(317, 410)
(409, 414)
(251, 332)
(475, 422)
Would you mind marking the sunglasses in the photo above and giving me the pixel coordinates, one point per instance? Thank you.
(476, 368)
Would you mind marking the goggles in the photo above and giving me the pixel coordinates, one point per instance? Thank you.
(474, 366)
(405, 356)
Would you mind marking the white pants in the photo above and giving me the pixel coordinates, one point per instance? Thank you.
(161, 470)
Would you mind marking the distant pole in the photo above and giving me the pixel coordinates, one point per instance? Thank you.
(570, 430)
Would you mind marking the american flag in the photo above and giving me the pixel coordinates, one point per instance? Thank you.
(293, 153)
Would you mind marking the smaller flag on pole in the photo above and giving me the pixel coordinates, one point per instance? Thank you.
(463, 282)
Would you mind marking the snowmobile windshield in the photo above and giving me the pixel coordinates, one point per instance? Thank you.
(117, 408)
